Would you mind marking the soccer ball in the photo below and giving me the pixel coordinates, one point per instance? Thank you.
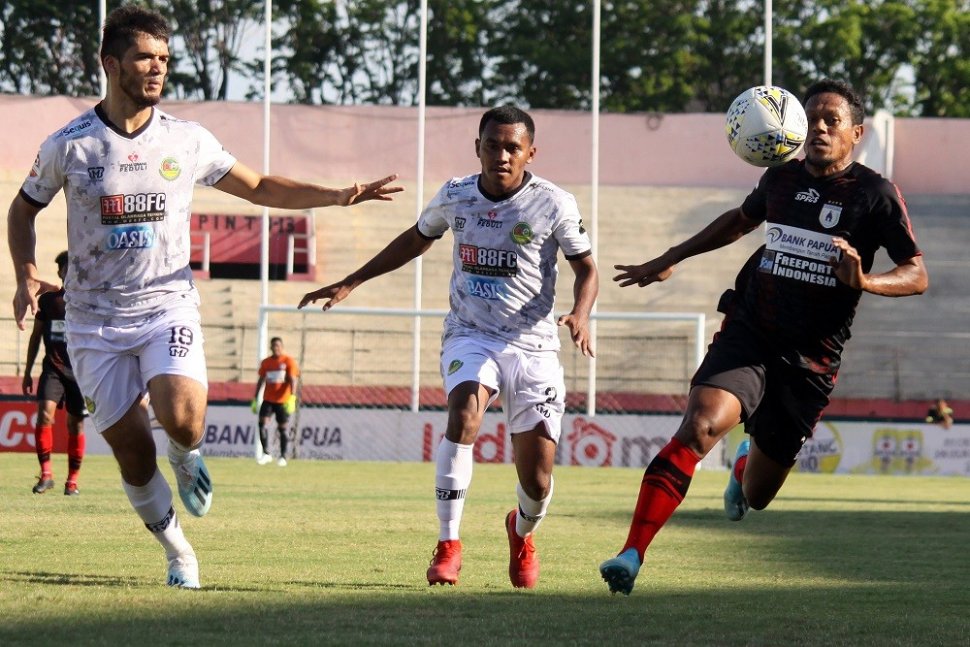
(766, 125)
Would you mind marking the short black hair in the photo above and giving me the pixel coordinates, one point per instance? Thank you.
(123, 25)
(61, 259)
(274, 340)
(508, 115)
(842, 89)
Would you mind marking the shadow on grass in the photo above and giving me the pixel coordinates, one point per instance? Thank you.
(777, 578)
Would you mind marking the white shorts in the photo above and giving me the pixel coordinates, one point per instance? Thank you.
(533, 381)
(114, 364)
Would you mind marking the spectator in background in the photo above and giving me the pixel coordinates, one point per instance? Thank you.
(278, 373)
(56, 388)
(941, 414)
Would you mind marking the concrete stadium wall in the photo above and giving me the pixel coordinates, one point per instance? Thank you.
(663, 178)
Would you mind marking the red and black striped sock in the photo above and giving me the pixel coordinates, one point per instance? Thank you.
(664, 486)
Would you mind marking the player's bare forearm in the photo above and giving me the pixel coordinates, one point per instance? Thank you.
(406, 247)
(908, 278)
(285, 193)
(724, 230)
(22, 241)
(585, 291)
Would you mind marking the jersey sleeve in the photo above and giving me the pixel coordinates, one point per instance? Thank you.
(46, 176)
(292, 367)
(214, 161)
(570, 232)
(433, 221)
(755, 206)
(892, 221)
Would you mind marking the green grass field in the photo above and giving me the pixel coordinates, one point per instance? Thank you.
(323, 553)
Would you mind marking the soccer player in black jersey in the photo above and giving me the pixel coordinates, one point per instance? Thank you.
(773, 364)
(56, 387)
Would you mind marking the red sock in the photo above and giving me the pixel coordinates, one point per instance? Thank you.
(739, 468)
(75, 454)
(44, 440)
(664, 486)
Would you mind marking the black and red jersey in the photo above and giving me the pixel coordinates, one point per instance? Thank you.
(50, 310)
(787, 290)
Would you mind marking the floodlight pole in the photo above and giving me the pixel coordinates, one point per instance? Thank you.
(594, 198)
(419, 200)
(264, 223)
(102, 79)
(768, 38)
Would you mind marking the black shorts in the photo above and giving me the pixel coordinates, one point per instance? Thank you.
(57, 387)
(266, 408)
(781, 402)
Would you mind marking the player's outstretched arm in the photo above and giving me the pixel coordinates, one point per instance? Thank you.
(906, 279)
(724, 230)
(407, 246)
(585, 291)
(284, 193)
(22, 241)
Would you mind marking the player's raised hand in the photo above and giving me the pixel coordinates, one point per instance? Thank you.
(376, 190)
(848, 265)
(579, 331)
(25, 298)
(642, 275)
(334, 293)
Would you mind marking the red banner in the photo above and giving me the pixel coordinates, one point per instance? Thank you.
(17, 420)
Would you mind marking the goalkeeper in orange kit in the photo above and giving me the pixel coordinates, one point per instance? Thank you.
(278, 373)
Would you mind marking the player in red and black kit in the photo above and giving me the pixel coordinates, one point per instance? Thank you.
(56, 388)
(774, 362)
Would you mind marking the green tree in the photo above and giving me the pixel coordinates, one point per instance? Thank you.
(49, 47)
(207, 37)
(941, 61)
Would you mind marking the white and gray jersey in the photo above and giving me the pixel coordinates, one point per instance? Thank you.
(129, 201)
(504, 280)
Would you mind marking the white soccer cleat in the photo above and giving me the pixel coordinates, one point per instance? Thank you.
(194, 483)
(281, 462)
(265, 459)
(183, 572)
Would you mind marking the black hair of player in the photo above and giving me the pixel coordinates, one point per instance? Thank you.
(61, 259)
(123, 25)
(842, 89)
(508, 115)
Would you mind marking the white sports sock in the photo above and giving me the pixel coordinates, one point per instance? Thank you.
(533, 510)
(453, 475)
(153, 503)
(178, 453)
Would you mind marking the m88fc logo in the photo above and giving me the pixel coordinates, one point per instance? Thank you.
(131, 208)
(488, 262)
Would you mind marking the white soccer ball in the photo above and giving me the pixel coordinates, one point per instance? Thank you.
(766, 125)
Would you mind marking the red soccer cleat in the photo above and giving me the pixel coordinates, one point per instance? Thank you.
(445, 563)
(70, 489)
(523, 560)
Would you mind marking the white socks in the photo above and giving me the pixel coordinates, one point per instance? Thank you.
(153, 503)
(531, 512)
(453, 475)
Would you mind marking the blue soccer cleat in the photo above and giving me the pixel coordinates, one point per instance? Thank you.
(183, 572)
(620, 572)
(194, 483)
(735, 505)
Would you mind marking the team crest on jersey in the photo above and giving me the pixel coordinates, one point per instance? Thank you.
(459, 223)
(829, 217)
(454, 366)
(170, 169)
(521, 233)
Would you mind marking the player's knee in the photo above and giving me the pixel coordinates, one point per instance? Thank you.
(537, 487)
(699, 432)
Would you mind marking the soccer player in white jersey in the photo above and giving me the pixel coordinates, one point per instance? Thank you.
(500, 334)
(133, 329)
